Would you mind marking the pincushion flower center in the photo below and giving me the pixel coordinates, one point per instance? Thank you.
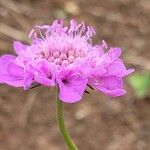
(62, 58)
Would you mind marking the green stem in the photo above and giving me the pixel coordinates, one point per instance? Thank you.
(60, 119)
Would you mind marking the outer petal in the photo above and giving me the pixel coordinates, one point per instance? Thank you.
(44, 80)
(99, 71)
(7, 58)
(113, 93)
(42, 73)
(111, 85)
(19, 47)
(114, 53)
(72, 88)
(10, 73)
(27, 81)
(118, 68)
(15, 70)
(111, 82)
(129, 71)
(110, 56)
(4, 61)
(12, 81)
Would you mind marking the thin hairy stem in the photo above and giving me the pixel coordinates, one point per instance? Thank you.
(64, 132)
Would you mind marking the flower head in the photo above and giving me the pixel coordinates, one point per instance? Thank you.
(64, 56)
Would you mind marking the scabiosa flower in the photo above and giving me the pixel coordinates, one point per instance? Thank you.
(65, 57)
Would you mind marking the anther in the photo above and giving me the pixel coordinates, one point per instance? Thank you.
(51, 59)
(71, 59)
(58, 61)
(70, 53)
(65, 63)
(63, 56)
(56, 54)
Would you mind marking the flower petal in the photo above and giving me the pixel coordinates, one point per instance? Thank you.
(113, 93)
(12, 81)
(111, 85)
(19, 47)
(44, 80)
(114, 53)
(15, 70)
(72, 89)
(116, 68)
(110, 56)
(10, 73)
(7, 58)
(129, 71)
(111, 82)
(27, 81)
(4, 61)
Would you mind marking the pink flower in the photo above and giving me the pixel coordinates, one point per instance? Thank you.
(64, 56)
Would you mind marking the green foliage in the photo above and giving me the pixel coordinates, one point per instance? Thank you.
(140, 83)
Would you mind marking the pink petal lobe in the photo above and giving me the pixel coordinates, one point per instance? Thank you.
(129, 71)
(114, 53)
(72, 88)
(112, 93)
(111, 82)
(111, 85)
(4, 61)
(43, 80)
(15, 70)
(116, 68)
(19, 47)
(11, 73)
(27, 81)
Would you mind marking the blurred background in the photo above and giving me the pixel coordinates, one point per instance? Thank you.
(98, 122)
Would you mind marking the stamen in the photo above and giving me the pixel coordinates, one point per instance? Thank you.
(63, 56)
(77, 54)
(46, 54)
(65, 63)
(51, 59)
(58, 61)
(70, 53)
(56, 54)
(71, 59)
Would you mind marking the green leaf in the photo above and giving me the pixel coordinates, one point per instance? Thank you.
(140, 83)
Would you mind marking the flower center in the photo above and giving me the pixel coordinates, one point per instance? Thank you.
(62, 58)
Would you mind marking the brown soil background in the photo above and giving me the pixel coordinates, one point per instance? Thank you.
(27, 118)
